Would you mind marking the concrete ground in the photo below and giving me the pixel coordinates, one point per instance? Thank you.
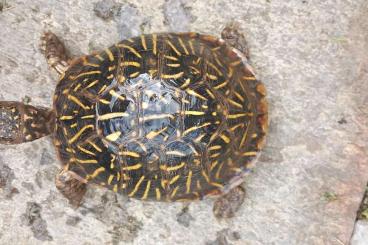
(310, 179)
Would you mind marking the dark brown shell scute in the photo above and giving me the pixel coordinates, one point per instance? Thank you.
(161, 116)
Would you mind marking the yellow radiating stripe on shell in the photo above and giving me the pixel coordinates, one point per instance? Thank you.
(205, 176)
(86, 151)
(194, 93)
(173, 193)
(195, 128)
(218, 185)
(115, 94)
(85, 160)
(114, 136)
(172, 168)
(189, 181)
(234, 116)
(244, 136)
(131, 49)
(176, 153)
(145, 195)
(158, 194)
(109, 54)
(77, 87)
(136, 187)
(239, 96)
(174, 179)
(225, 138)
(131, 63)
(214, 164)
(191, 46)
(173, 65)
(135, 74)
(186, 83)
(95, 146)
(96, 172)
(218, 172)
(102, 89)
(237, 126)
(170, 57)
(88, 117)
(85, 74)
(154, 43)
(215, 147)
(79, 133)
(211, 76)
(129, 153)
(92, 84)
(210, 93)
(249, 153)
(111, 177)
(77, 101)
(132, 167)
(144, 44)
(172, 76)
(215, 68)
(154, 134)
(66, 118)
(194, 113)
(183, 46)
(235, 104)
(103, 101)
(173, 47)
(222, 85)
(112, 115)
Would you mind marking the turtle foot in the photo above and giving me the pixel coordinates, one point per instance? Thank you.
(227, 205)
(72, 188)
(55, 52)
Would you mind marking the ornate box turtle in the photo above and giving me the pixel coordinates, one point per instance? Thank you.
(166, 117)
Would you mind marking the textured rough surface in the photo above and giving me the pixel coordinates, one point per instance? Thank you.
(360, 236)
(308, 184)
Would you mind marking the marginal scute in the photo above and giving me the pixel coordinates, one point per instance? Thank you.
(162, 117)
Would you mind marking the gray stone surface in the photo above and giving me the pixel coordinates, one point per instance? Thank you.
(360, 236)
(306, 188)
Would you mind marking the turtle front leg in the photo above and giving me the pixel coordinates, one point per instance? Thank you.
(22, 123)
(234, 38)
(71, 187)
(55, 52)
(227, 205)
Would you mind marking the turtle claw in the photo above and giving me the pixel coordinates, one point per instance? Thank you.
(55, 52)
(227, 205)
(71, 187)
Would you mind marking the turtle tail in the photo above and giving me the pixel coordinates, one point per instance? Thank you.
(23, 123)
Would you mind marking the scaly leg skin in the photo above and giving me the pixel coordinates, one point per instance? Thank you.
(21, 123)
(55, 52)
(71, 187)
(227, 205)
(235, 38)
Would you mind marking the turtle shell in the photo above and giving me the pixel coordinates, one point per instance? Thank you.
(161, 117)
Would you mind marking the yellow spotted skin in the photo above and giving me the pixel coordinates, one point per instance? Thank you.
(161, 117)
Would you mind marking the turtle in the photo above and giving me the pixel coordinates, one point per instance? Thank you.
(157, 117)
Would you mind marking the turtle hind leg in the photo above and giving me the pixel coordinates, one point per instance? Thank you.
(233, 37)
(71, 187)
(227, 205)
(22, 123)
(55, 52)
